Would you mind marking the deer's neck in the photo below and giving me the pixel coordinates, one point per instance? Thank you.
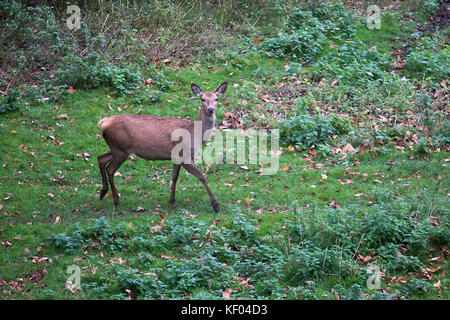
(208, 121)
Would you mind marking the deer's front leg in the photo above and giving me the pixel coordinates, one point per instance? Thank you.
(175, 173)
(191, 168)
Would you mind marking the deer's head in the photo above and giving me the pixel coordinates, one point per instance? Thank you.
(209, 98)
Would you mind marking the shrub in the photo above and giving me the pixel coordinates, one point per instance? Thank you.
(309, 28)
(308, 262)
(429, 59)
(96, 235)
(306, 130)
(304, 44)
(9, 102)
(352, 65)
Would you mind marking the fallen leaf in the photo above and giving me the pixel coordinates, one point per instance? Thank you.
(71, 90)
(6, 243)
(432, 270)
(84, 155)
(44, 259)
(434, 220)
(227, 293)
(363, 259)
(120, 261)
(62, 116)
(348, 148)
(437, 259)
(334, 204)
(244, 281)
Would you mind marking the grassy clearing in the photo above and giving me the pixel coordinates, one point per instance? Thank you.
(51, 186)
(362, 188)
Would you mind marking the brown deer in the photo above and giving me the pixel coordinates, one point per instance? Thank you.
(151, 138)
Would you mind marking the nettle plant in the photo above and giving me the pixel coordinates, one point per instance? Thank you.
(306, 130)
(309, 28)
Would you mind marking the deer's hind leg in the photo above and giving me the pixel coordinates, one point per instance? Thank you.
(103, 160)
(117, 159)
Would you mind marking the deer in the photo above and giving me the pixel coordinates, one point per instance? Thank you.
(151, 138)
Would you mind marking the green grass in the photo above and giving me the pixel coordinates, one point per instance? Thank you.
(313, 230)
(47, 190)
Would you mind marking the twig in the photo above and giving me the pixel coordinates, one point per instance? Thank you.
(360, 240)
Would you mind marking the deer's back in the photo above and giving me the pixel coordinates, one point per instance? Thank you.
(149, 137)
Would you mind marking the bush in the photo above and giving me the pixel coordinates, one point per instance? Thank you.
(309, 262)
(352, 65)
(306, 130)
(304, 44)
(9, 102)
(99, 234)
(309, 28)
(429, 60)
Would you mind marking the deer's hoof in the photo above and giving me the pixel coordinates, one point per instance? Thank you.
(215, 206)
(103, 193)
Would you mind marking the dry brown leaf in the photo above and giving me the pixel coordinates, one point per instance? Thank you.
(334, 204)
(71, 90)
(227, 293)
(84, 155)
(432, 270)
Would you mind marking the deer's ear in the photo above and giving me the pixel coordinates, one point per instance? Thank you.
(196, 90)
(222, 88)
